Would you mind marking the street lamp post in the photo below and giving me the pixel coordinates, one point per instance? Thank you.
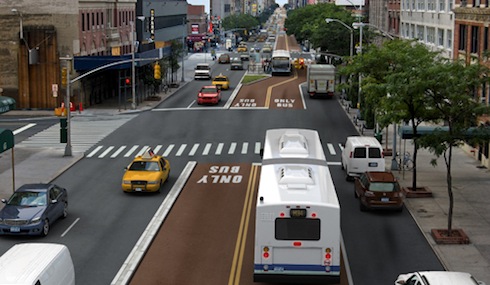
(329, 20)
(133, 76)
(184, 28)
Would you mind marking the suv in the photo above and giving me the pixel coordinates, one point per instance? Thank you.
(378, 190)
(202, 71)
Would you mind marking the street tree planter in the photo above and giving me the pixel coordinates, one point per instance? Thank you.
(457, 236)
(420, 192)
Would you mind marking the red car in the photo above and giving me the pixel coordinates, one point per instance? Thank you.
(209, 95)
(378, 190)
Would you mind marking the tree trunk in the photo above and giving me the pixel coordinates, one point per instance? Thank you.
(449, 190)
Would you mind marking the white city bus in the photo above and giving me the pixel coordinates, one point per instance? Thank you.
(280, 62)
(297, 226)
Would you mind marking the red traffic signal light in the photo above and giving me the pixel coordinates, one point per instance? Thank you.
(127, 81)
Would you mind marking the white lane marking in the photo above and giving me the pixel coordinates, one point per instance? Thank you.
(334, 163)
(134, 258)
(181, 150)
(257, 147)
(207, 148)
(94, 151)
(341, 147)
(117, 152)
(142, 150)
(232, 148)
(131, 151)
(168, 150)
(194, 149)
(219, 149)
(102, 155)
(192, 103)
(331, 149)
(157, 149)
(244, 148)
(69, 228)
(21, 129)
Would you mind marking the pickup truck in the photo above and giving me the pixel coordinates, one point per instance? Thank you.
(202, 71)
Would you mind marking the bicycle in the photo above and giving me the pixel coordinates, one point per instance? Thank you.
(406, 162)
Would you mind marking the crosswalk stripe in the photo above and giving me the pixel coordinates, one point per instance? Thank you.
(157, 149)
(232, 148)
(20, 130)
(102, 155)
(331, 149)
(142, 150)
(131, 151)
(194, 149)
(341, 147)
(168, 150)
(219, 148)
(207, 148)
(118, 151)
(94, 151)
(257, 147)
(244, 148)
(181, 150)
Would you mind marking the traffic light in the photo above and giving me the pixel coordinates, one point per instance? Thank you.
(157, 72)
(64, 76)
(127, 81)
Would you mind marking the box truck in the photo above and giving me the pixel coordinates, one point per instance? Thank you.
(321, 80)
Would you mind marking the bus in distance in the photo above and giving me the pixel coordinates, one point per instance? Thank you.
(297, 226)
(280, 62)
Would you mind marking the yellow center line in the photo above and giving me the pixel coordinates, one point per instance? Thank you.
(242, 231)
(269, 89)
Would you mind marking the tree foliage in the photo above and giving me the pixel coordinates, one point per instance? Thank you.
(308, 23)
(449, 96)
(240, 21)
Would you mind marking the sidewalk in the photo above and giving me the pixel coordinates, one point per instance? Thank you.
(471, 212)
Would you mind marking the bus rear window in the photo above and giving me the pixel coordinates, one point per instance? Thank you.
(297, 229)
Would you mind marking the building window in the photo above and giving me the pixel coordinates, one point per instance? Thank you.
(420, 5)
(440, 37)
(412, 31)
(449, 37)
(442, 5)
(475, 39)
(83, 22)
(431, 34)
(462, 37)
(485, 39)
(413, 4)
(431, 5)
(420, 33)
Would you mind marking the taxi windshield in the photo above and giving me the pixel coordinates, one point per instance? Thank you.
(144, 166)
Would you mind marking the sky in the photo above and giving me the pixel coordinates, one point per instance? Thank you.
(206, 3)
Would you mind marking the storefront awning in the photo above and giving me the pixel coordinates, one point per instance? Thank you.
(6, 104)
(86, 63)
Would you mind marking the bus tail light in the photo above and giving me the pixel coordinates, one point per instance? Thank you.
(297, 243)
(327, 261)
(265, 252)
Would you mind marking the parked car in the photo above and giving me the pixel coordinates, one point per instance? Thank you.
(378, 190)
(221, 81)
(32, 209)
(360, 154)
(224, 58)
(437, 278)
(209, 95)
(236, 64)
(146, 173)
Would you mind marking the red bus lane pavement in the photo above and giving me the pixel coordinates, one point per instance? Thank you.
(277, 92)
(208, 235)
(202, 240)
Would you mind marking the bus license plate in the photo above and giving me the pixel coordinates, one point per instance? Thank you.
(373, 164)
(385, 199)
(14, 229)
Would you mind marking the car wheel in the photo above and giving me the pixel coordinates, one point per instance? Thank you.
(65, 210)
(362, 207)
(45, 228)
(161, 184)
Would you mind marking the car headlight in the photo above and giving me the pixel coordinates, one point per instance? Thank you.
(35, 220)
(153, 182)
(126, 181)
(1, 221)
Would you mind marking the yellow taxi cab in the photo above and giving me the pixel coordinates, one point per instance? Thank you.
(221, 81)
(146, 173)
(242, 48)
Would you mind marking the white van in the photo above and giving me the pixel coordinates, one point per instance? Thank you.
(37, 264)
(361, 154)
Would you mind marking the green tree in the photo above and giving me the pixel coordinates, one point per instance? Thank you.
(394, 85)
(308, 23)
(451, 87)
(240, 21)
